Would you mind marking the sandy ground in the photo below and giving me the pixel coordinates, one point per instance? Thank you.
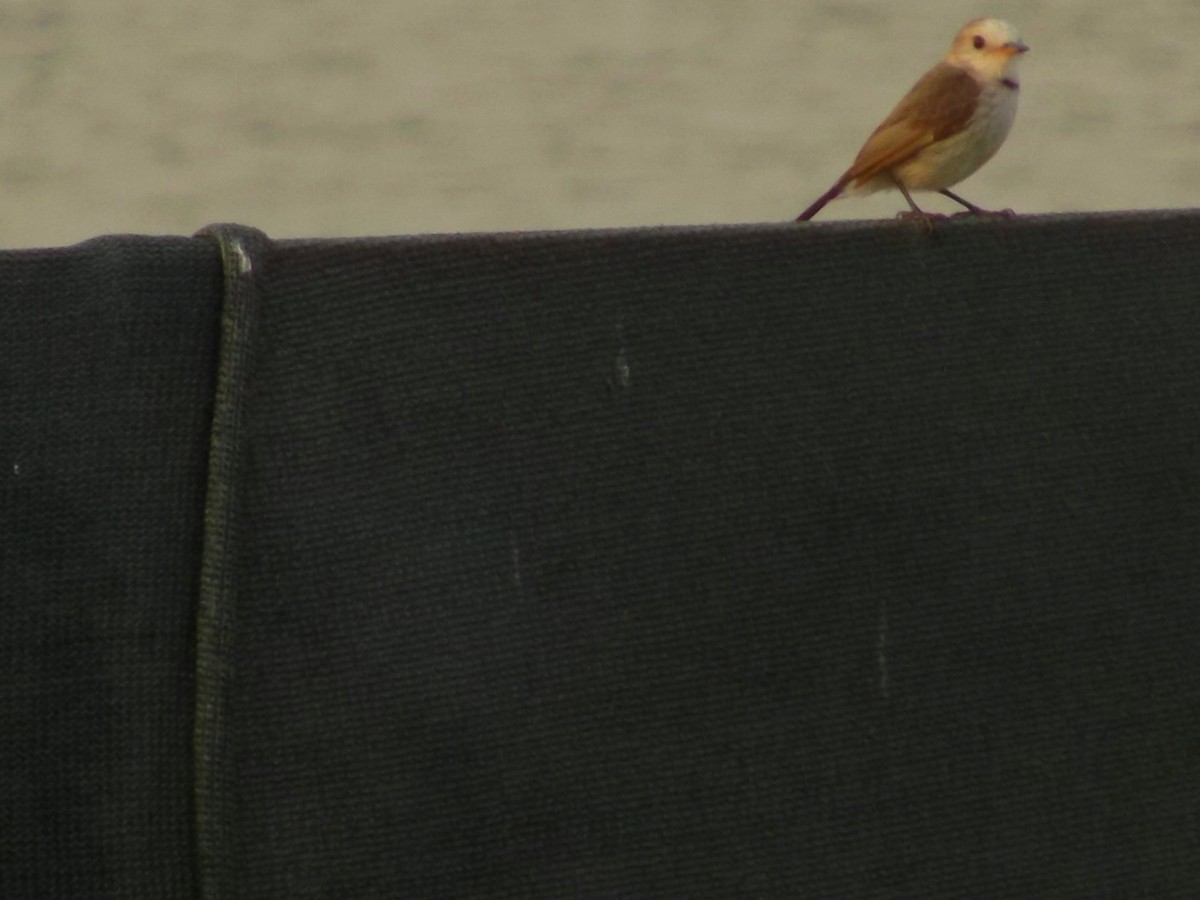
(331, 118)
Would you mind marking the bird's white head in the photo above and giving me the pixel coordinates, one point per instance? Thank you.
(990, 47)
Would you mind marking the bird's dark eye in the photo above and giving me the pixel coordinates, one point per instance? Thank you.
(979, 42)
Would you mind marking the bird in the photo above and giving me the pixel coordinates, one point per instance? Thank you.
(950, 123)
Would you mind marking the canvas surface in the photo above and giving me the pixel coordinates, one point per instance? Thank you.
(684, 563)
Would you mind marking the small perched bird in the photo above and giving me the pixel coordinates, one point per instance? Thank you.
(952, 121)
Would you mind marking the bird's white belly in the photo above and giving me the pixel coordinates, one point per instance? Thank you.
(949, 161)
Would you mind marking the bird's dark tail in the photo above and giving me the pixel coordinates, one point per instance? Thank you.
(820, 202)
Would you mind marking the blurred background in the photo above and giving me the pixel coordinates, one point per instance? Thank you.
(325, 118)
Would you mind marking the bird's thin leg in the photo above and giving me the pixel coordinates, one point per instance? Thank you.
(974, 210)
(977, 210)
(917, 212)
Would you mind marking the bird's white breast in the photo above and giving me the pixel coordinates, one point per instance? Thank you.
(949, 161)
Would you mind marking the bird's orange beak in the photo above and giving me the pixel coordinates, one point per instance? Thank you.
(1014, 48)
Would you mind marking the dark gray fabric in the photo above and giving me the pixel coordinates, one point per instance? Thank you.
(785, 561)
(106, 360)
(242, 254)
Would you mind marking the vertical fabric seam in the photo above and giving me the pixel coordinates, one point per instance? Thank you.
(242, 252)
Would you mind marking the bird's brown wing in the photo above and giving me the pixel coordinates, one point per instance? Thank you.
(939, 105)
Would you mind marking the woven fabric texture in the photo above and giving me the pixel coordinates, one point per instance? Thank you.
(844, 560)
(106, 362)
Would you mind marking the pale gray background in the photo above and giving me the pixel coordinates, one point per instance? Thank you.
(332, 118)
